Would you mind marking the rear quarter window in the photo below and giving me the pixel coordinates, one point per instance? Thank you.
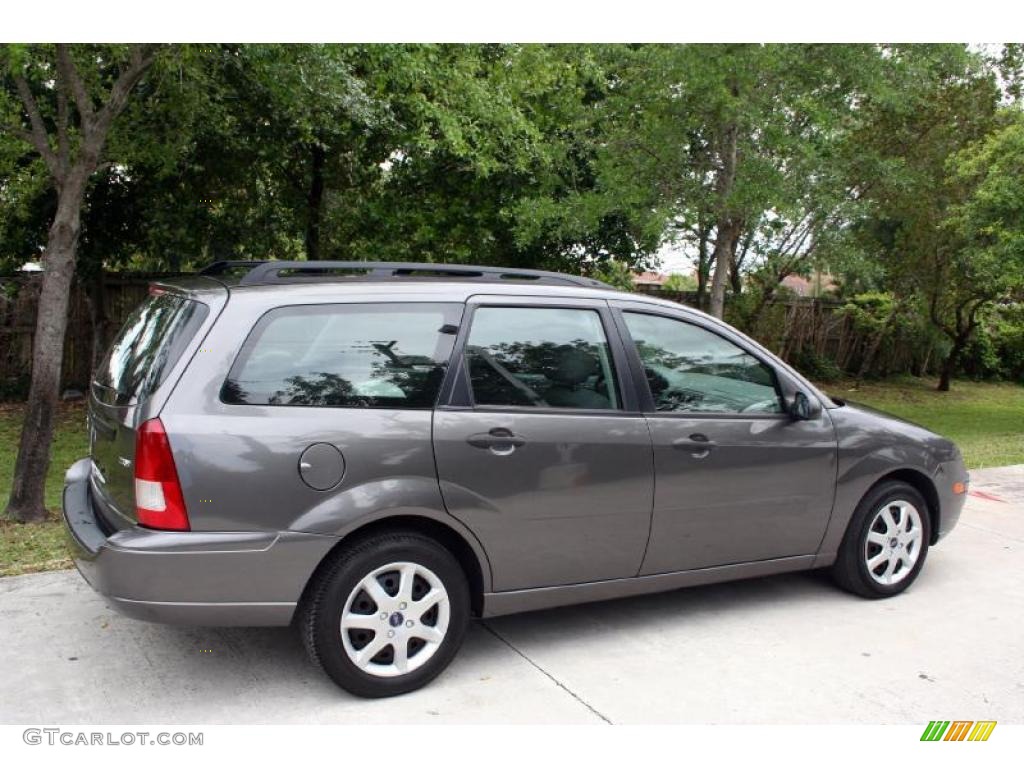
(147, 347)
(345, 356)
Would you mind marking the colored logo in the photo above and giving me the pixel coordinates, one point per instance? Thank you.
(958, 730)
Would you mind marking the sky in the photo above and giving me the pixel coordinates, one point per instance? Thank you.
(670, 259)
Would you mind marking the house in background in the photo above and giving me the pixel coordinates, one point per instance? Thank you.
(649, 282)
(818, 284)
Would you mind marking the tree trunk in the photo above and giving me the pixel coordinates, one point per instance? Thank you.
(739, 254)
(922, 369)
(703, 268)
(725, 242)
(28, 490)
(70, 168)
(950, 363)
(727, 227)
(314, 202)
(735, 278)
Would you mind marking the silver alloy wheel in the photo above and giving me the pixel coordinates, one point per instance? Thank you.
(893, 543)
(395, 619)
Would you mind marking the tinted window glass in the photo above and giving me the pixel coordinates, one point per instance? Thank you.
(557, 358)
(693, 370)
(345, 355)
(147, 347)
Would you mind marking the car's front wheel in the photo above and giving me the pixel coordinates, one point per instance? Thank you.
(386, 615)
(886, 542)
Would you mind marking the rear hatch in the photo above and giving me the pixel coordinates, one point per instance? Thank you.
(137, 364)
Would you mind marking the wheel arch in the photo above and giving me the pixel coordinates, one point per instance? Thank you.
(923, 485)
(474, 564)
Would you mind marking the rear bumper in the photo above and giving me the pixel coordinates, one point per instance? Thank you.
(202, 578)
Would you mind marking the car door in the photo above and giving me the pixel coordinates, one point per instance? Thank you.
(540, 448)
(737, 478)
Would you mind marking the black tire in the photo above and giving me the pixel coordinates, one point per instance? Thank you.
(850, 570)
(320, 615)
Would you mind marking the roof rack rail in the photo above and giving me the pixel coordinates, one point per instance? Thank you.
(270, 272)
(223, 266)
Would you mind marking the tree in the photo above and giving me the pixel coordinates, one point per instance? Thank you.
(988, 227)
(777, 124)
(941, 100)
(66, 114)
(504, 171)
(678, 282)
(1010, 66)
(332, 151)
(616, 273)
(483, 153)
(732, 148)
(306, 110)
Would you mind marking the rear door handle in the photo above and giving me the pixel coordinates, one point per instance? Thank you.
(499, 440)
(698, 444)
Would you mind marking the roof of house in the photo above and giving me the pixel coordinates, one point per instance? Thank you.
(802, 286)
(649, 278)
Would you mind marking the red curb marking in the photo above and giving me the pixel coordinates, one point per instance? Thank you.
(986, 496)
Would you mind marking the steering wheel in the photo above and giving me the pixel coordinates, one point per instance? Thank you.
(671, 399)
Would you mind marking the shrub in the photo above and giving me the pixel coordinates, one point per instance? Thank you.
(996, 351)
(14, 388)
(816, 367)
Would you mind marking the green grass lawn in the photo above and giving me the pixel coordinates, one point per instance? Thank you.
(27, 548)
(986, 420)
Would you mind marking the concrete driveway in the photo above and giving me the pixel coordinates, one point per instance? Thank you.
(786, 649)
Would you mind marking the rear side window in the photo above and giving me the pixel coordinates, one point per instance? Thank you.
(147, 347)
(345, 356)
(540, 357)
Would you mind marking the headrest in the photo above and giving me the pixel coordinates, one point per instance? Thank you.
(574, 366)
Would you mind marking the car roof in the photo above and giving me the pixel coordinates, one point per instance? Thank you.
(427, 289)
(439, 289)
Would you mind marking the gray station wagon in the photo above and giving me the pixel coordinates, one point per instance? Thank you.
(378, 452)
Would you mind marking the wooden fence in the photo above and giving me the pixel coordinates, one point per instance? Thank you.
(95, 314)
(797, 329)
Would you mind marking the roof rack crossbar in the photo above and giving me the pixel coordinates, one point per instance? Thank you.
(270, 272)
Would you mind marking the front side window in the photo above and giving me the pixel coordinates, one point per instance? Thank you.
(692, 370)
(540, 357)
(345, 356)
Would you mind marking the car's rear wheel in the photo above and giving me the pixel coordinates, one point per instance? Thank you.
(387, 614)
(886, 542)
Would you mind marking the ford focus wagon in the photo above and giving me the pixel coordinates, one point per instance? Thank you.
(379, 452)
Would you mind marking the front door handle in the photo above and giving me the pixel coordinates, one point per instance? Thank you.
(698, 444)
(499, 440)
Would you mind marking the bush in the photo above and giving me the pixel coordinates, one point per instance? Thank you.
(816, 367)
(996, 351)
(678, 282)
(617, 274)
(14, 388)
(910, 343)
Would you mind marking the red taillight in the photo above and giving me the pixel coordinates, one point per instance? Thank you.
(158, 500)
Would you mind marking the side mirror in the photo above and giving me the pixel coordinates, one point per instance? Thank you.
(801, 407)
